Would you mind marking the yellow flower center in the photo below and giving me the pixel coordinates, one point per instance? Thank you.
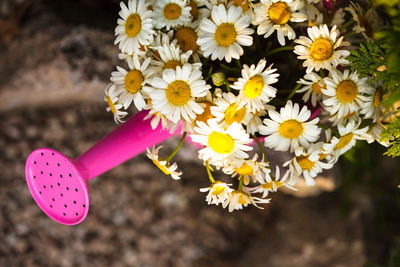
(305, 163)
(225, 34)
(245, 169)
(291, 129)
(279, 13)
(133, 81)
(172, 64)
(244, 4)
(133, 25)
(217, 189)
(377, 98)
(187, 39)
(254, 86)
(317, 87)
(172, 11)
(178, 93)
(232, 114)
(194, 11)
(206, 115)
(346, 91)
(270, 185)
(243, 198)
(321, 49)
(221, 143)
(322, 156)
(161, 167)
(344, 140)
(111, 105)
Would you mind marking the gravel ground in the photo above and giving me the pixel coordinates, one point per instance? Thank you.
(140, 217)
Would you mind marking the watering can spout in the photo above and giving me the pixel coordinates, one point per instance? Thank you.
(58, 184)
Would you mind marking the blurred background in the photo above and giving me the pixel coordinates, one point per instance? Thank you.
(55, 61)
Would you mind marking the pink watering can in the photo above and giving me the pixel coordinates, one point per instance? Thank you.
(58, 184)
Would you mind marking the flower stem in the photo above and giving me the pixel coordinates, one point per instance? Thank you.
(261, 147)
(279, 49)
(349, 34)
(177, 147)
(240, 183)
(209, 173)
(293, 92)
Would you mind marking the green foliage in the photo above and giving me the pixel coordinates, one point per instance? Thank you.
(380, 60)
(392, 135)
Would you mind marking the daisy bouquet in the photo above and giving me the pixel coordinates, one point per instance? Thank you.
(239, 77)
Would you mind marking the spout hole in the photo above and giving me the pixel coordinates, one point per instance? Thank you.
(74, 202)
(84, 205)
(64, 213)
(51, 206)
(44, 186)
(70, 175)
(51, 174)
(52, 153)
(53, 199)
(41, 153)
(40, 192)
(58, 184)
(61, 194)
(41, 172)
(34, 162)
(34, 177)
(67, 188)
(58, 164)
(65, 205)
(47, 163)
(76, 189)
(51, 186)
(61, 176)
(76, 213)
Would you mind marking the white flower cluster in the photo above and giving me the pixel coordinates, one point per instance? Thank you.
(183, 63)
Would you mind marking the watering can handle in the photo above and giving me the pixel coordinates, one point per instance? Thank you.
(126, 141)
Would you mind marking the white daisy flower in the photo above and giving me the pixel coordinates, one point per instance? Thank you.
(320, 50)
(336, 120)
(367, 22)
(162, 39)
(112, 97)
(374, 134)
(170, 13)
(308, 163)
(349, 134)
(246, 5)
(220, 144)
(344, 93)
(312, 89)
(338, 18)
(255, 121)
(135, 28)
(240, 199)
(227, 110)
(174, 94)
(373, 106)
(290, 128)
(254, 85)
(273, 185)
(223, 36)
(314, 16)
(258, 170)
(271, 15)
(164, 166)
(168, 57)
(131, 82)
(218, 192)
(156, 117)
